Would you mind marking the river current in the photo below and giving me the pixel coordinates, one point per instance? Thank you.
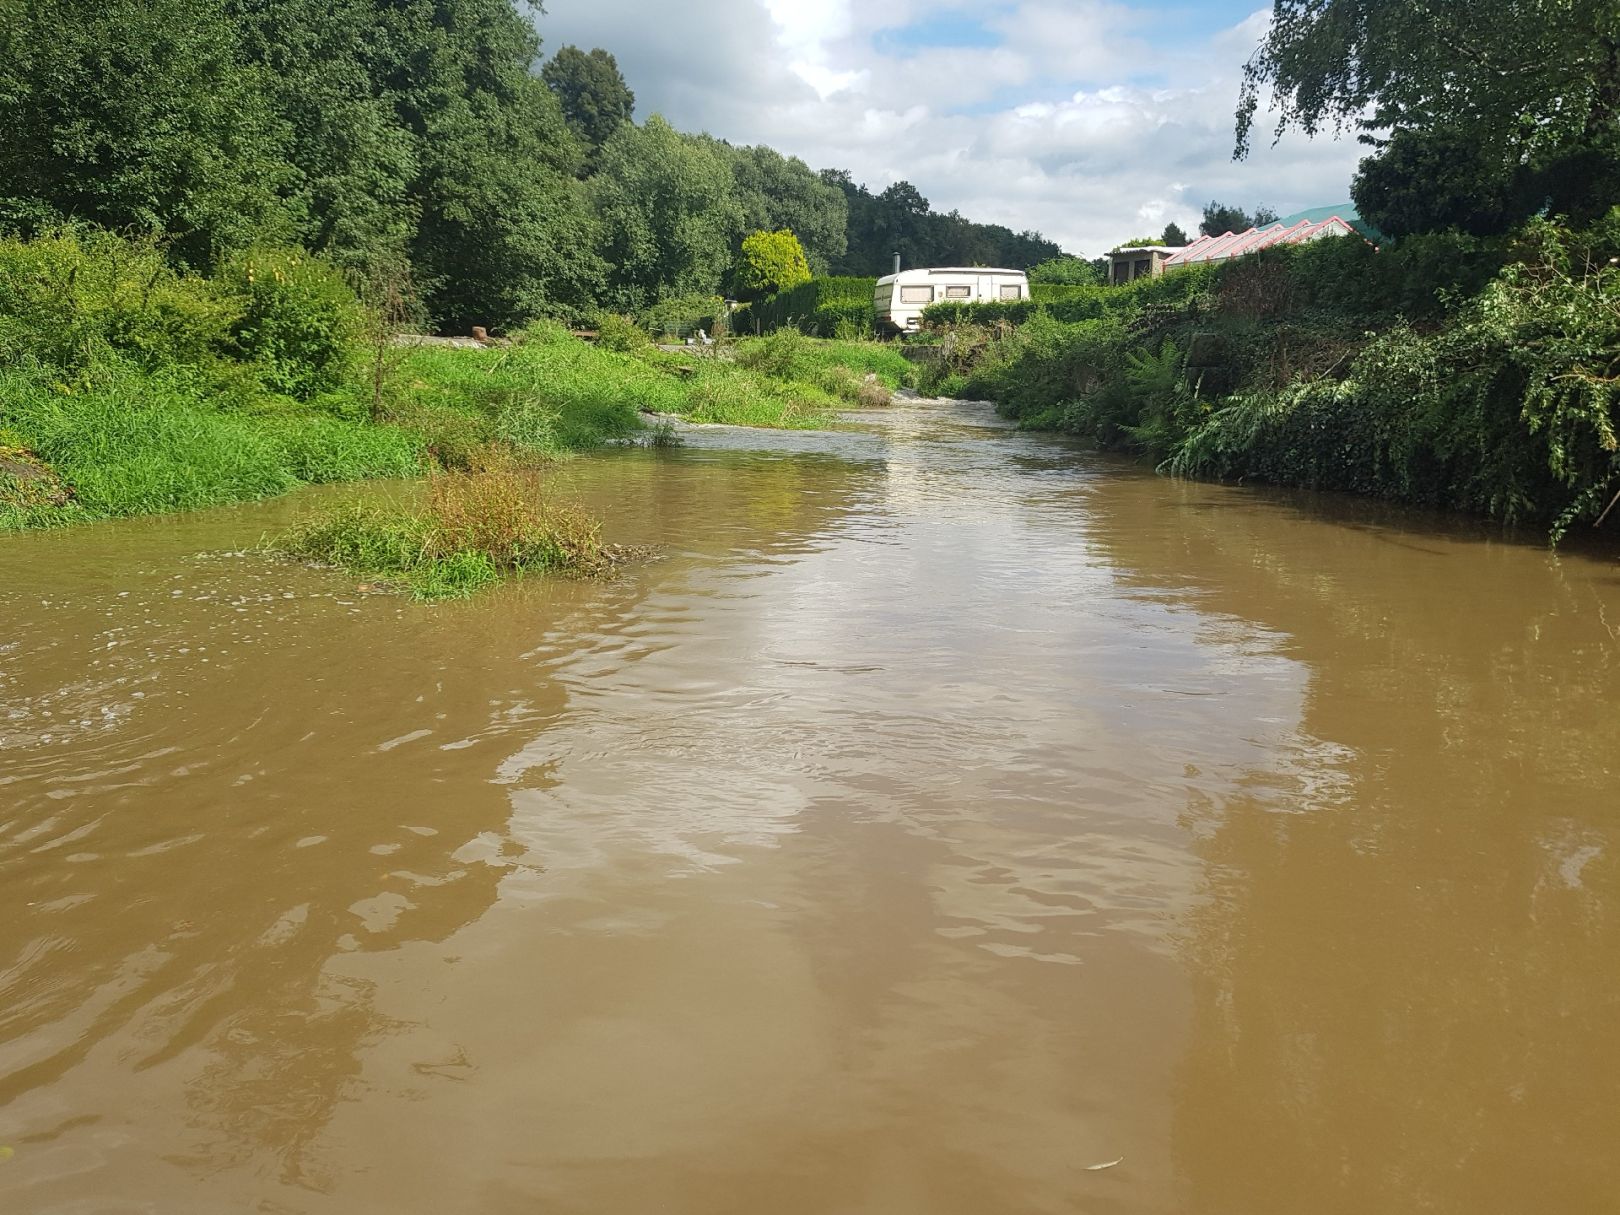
(943, 820)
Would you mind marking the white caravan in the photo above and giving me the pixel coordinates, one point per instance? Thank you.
(899, 298)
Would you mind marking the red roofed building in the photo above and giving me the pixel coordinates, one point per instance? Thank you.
(1236, 244)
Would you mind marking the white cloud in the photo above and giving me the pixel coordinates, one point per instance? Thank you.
(1082, 123)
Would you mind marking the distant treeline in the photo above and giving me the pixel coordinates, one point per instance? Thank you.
(413, 141)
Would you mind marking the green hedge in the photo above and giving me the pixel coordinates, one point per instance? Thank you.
(823, 307)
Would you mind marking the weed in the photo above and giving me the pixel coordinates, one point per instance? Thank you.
(475, 529)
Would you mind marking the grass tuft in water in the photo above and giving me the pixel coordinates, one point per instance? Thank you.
(476, 529)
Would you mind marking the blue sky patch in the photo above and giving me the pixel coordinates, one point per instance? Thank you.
(945, 30)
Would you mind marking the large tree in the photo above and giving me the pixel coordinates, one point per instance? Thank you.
(595, 99)
(138, 114)
(777, 191)
(1529, 82)
(1427, 181)
(669, 214)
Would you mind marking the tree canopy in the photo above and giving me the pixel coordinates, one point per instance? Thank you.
(413, 136)
(1221, 218)
(1430, 181)
(769, 262)
(900, 220)
(1527, 82)
(595, 99)
(669, 214)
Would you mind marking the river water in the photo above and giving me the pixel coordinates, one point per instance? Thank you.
(942, 813)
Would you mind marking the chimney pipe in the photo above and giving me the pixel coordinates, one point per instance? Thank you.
(897, 261)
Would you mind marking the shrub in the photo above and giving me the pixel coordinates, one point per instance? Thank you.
(474, 529)
(68, 298)
(620, 333)
(822, 307)
(300, 324)
(1064, 271)
(681, 316)
(769, 262)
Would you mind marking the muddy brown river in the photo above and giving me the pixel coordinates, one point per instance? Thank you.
(945, 813)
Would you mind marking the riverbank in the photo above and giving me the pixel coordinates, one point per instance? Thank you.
(1469, 374)
(128, 387)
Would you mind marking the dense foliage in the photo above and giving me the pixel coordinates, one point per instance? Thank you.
(769, 262)
(1442, 370)
(838, 306)
(411, 142)
(1221, 218)
(595, 99)
(1065, 272)
(1515, 86)
(900, 220)
(129, 385)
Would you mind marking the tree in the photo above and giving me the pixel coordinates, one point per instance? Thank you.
(1440, 179)
(502, 230)
(901, 220)
(776, 191)
(595, 99)
(1065, 271)
(1174, 235)
(669, 214)
(769, 262)
(1535, 84)
(138, 114)
(1221, 218)
(351, 159)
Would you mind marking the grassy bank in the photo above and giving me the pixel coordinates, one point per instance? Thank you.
(128, 387)
(1442, 371)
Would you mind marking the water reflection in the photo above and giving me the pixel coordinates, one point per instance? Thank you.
(1403, 989)
(941, 812)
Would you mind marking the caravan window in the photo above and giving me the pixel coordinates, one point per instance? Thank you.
(916, 295)
(958, 293)
(1010, 291)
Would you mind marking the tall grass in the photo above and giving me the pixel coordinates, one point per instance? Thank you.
(859, 372)
(475, 529)
(129, 387)
(128, 442)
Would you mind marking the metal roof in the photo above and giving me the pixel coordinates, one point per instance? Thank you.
(1236, 244)
(924, 270)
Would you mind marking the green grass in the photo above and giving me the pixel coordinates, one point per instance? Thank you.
(129, 442)
(548, 394)
(552, 394)
(856, 372)
(475, 530)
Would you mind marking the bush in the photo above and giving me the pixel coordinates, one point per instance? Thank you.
(1511, 408)
(679, 317)
(300, 325)
(823, 307)
(475, 529)
(69, 298)
(620, 333)
(769, 262)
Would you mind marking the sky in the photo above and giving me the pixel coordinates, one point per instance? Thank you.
(1093, 121)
